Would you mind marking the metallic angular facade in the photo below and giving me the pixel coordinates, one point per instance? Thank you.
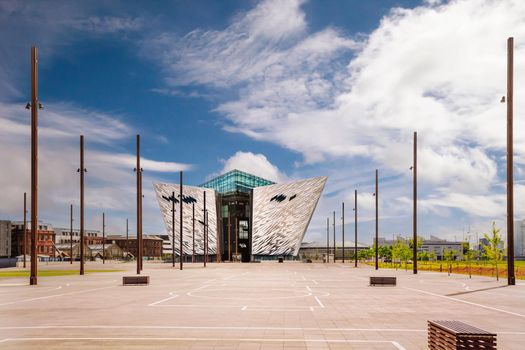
(193, 196)
(272, 220)
(281, 215)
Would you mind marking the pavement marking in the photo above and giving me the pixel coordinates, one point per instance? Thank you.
(54, 295)
(173, 295)
(261, 340)
(60, 327)
(315, 281)
(319, 302)
(466, 302)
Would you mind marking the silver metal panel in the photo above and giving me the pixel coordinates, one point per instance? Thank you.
(197, 193)
(281, 215)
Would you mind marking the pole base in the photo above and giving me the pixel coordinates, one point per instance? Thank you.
(33, 281)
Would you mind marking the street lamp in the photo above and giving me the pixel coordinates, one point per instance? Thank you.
(343, 229)
(173, 200)
(81, 171)
(376, 195)
(414, 217)
(355, 228)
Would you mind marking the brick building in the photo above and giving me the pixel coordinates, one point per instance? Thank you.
(45, 239)
(152, 245)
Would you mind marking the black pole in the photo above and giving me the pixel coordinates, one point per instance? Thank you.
(327, 240)
(33, 279)
(414, 223)
(103, 238)
(204, 232)
(172, 229)
(511, 280)
(127, 237)
(193, 231)
(71, 234)
(335, 247)
(343, 229)
(355, 228)
(181, 251)
(377, 219)
(139, 223)
(82, 170)
(25, 228)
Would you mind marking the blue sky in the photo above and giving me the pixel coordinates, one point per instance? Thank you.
(283, 89)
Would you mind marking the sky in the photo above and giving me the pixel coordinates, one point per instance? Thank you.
(284, 89)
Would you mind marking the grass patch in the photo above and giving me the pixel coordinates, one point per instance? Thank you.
(48, 273)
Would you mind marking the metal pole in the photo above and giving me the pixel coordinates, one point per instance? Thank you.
(71, 234)
(335, 248)
(25, 227)
(229, 237)
(377, 219)
(204, 233)
(181, 250)
(193, 231)
(103, 238)
(414, 245)
(343, 229)
(327, 240)
(511, 280)
(355, 228)
(81, 170)
(236, 238)
(172, 229)
(34, 166)
(139, 226)
(127, 236)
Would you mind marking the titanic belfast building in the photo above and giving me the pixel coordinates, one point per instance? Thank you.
(248, 218)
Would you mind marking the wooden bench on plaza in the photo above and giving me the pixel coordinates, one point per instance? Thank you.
(135, 280)
(382, 281)
(446, 335)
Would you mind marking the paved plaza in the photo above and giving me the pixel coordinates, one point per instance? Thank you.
(251, 306)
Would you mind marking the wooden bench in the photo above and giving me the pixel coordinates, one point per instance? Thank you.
(382, 281)
(444, 335)
(135, 280)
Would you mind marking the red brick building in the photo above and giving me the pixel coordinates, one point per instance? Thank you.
(45, 239)
(152, 245)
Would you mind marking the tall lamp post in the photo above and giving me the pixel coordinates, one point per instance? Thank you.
(193, 231)
(103, 238)
(343, 228)
(355, 228)
(25, 227)
(81, 170)
(204, 232)
(376, 194)
(71, 234)
(127, 237)
(138, 170)
(335, 247)
(414, 217)
(35, 106)
(181, 249)
(327, 240)
(511, 280)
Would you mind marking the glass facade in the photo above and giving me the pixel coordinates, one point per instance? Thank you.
(236, 181)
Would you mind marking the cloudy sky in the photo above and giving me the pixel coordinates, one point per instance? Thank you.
(283, 89)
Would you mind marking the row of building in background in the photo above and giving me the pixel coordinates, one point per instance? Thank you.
(64, 243)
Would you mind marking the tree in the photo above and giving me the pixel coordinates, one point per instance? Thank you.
(493, 248)
(469, 256)
(385, 252)
(449, 255)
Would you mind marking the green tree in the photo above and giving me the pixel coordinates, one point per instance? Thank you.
(493, 250)
(385, 252)
(469, 256)
(449, 255)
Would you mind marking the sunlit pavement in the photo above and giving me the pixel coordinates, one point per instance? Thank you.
(251, 306)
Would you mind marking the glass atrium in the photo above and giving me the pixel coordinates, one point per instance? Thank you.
(236, 181)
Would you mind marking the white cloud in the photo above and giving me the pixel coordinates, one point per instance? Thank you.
(110, 180)
(106, 25)
(432, 69)
(256, 164)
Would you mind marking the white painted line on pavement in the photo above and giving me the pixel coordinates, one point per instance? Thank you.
(466, 302)
(54, 295)
(261, 340)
